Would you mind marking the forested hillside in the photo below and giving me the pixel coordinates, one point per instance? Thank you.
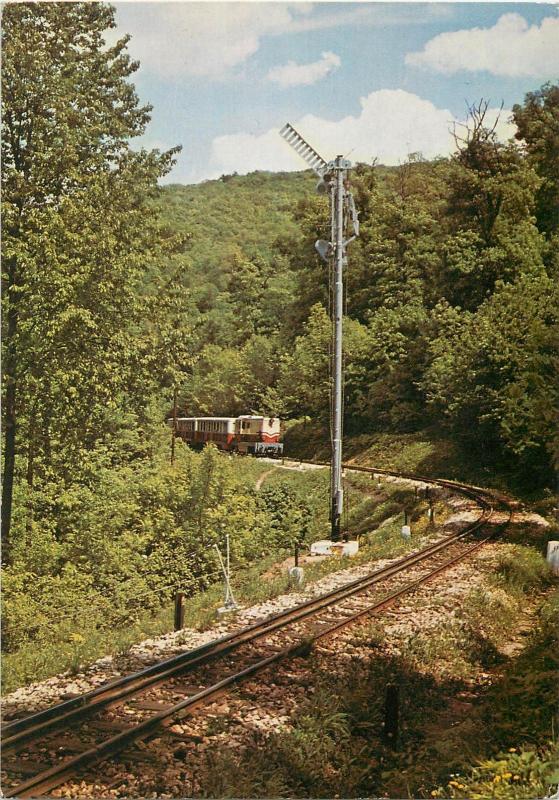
(451, 293)
(116, 292)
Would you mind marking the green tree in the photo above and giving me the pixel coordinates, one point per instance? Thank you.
(492, 234)
(216, 385)
(78, 233)
(537, 121)
(493, 372)
(382, 388)
(304, 383)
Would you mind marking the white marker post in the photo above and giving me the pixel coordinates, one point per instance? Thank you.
(406, 529)
(553, 556)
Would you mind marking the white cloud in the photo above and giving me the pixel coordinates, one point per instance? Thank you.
(202, 39)
(292, 74)
(392, 124)
(210, 39)
(510, 48)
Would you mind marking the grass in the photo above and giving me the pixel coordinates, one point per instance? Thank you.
(459, 645)
(72, 645)
(498, 744)
(70, 650)
(520, 569)
(427, 452)
(512, 775)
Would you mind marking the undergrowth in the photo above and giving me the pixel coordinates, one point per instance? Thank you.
(94, 628)
(457, 740)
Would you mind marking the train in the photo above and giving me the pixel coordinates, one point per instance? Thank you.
(248, 434)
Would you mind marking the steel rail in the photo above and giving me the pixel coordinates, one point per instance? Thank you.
(59, 773)
(156, 674)
(17, 732)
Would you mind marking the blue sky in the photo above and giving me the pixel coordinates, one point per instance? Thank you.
(379, 79)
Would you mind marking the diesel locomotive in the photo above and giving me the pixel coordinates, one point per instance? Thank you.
(248, 434)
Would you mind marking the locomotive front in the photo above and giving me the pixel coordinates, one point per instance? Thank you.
(258, 435)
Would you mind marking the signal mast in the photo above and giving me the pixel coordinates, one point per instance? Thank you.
(333, 179)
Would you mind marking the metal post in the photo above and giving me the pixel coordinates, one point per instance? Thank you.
(332, 177)
(228, 556)
(391, 714)
(337, 311)
(179, 611)
(230, 603)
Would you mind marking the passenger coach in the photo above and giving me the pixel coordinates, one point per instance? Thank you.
(248, 434)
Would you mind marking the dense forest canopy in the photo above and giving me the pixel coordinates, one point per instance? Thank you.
(451, 292)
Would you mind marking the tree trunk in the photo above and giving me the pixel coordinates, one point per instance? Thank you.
(9, 448)
(10, 361)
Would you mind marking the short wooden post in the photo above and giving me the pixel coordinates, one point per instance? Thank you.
(297, 554)
(391, 714)
(179, 611)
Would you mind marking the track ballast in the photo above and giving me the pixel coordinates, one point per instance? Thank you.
(48, 748)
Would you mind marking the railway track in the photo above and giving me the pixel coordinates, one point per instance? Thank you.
(47, 748)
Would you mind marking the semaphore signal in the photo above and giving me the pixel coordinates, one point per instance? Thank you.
(333, 179)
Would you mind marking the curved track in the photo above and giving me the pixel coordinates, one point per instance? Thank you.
(109, 719)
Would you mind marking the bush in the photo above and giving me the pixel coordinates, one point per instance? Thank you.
(99, 557)
(523, 775)
(523, 569)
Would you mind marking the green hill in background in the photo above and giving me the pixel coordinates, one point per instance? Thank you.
(248, 211)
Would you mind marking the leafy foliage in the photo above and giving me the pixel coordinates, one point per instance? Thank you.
(116, 291)
(510, 776)
(85, 333)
